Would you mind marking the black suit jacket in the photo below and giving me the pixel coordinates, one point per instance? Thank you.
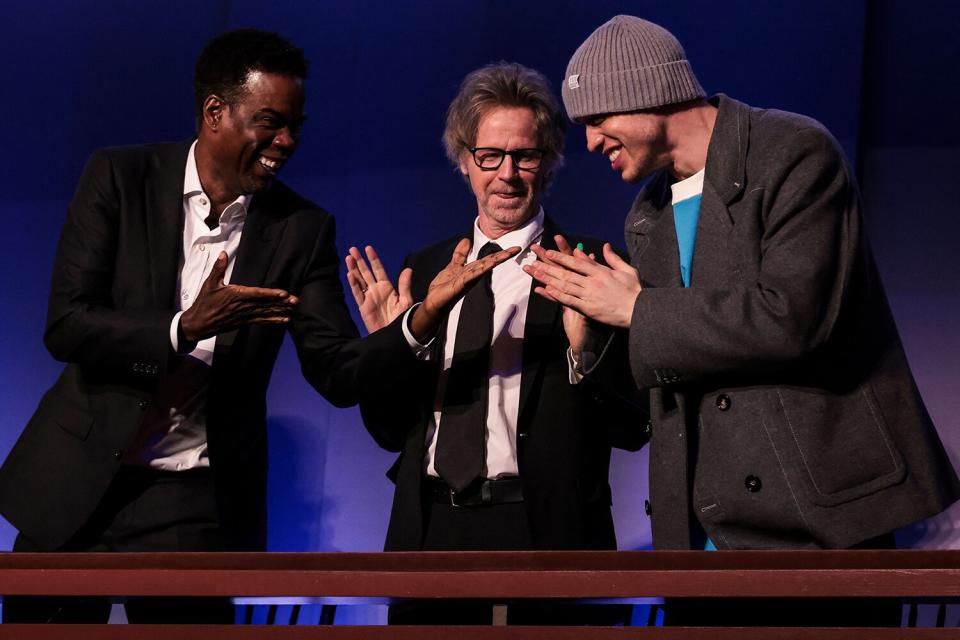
(565, 432)
(111, 305)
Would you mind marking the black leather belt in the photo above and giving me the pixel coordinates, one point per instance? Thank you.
(480, 493)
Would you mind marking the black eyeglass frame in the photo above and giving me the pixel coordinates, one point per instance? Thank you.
(513, 155)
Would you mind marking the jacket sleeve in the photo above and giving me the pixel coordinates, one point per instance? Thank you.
(809, 248)
(329, 347)
(85, 323)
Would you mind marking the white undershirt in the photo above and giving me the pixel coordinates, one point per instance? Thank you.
(511, 294)
(173, 435)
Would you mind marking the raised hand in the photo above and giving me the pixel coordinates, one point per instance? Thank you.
(574, 322)
(450, 285)
(605, 294)
(221, 307)
(377, 299)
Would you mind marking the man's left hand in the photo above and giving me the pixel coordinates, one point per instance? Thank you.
(605, 294)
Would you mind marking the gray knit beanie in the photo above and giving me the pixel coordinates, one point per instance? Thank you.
(628, 64)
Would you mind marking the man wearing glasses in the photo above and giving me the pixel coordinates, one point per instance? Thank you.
(498, 450)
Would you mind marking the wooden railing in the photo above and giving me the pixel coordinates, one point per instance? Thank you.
(500, 576)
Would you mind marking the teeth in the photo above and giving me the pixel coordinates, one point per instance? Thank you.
(613, 155)
(272, 165)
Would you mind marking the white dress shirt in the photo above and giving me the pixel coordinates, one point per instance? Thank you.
(511, 293)
(173, 435)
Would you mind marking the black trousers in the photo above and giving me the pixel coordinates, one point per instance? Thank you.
(496, 527)
(143, 510)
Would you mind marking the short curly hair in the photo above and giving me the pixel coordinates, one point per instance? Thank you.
(504, 84)
(227, 60)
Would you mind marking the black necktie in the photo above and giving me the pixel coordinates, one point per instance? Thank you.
(462, 437)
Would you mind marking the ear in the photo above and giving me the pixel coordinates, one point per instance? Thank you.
(214, 108)
(463, 163)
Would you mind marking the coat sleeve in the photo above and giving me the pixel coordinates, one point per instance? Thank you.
(85, 323)
(809, 248)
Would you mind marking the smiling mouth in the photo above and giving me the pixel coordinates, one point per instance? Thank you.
(613, 155)
(271, 166)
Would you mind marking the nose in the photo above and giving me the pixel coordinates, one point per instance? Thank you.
(508, 169)
(594, 139)
(285, 139)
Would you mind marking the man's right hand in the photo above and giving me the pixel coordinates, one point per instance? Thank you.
(450, 285)
(377, 299)
(221, 307)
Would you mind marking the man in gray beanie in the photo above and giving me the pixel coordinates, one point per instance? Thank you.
(783, 413)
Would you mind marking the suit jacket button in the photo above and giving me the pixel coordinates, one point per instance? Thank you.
(118, 454)
(143, 404)
(646, 507)
(753, 484)
(723, 402)
(648, 428)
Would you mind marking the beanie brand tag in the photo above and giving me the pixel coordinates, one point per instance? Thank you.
(573, 81)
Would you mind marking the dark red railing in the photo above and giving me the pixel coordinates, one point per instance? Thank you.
(501, 576)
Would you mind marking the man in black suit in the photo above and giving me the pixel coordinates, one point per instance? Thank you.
(153, 437)
(498, 450)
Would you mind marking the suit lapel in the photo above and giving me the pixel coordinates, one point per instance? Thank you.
(261, 235)
(540, 324)
(163, 213)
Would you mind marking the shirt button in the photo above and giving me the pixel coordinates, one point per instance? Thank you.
(723, 402)
(185, 295)
(203, 247)
(753, 484)
(203, 201)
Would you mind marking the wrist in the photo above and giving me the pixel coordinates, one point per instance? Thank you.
(423, 324)
(186, 330)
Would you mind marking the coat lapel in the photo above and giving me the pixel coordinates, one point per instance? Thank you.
(711, 259)
(723, 185)
(652, 238)
(163, 213)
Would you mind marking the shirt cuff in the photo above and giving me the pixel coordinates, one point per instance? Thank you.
(421, 351)
(180, 349)
(573, 367)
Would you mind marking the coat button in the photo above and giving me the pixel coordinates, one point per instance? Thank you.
(646, 507)
(118, 454)
(753, 484)
(723, 402)
(143, 404)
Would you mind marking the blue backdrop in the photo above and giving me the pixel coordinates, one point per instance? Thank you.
(79, 75)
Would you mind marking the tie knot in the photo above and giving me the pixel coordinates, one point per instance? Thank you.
(487, 249)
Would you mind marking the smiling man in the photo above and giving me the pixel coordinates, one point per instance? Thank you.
(783, 412)
(498, 450)
(179, 268)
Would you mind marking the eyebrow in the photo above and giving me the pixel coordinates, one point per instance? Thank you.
(273, 112)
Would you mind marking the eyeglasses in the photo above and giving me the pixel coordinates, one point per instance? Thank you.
(490, 158)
